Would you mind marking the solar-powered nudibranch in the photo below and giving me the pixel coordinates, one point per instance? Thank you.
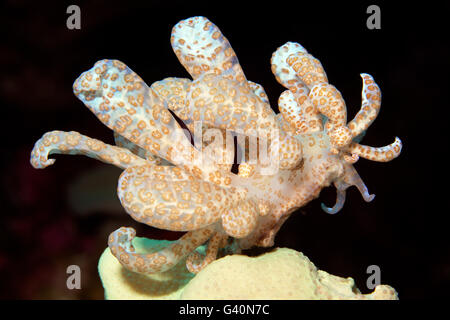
(316, 146)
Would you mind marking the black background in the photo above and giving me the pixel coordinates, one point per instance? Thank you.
(50, 219)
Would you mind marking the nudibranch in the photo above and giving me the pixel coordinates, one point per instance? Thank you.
(165, 185)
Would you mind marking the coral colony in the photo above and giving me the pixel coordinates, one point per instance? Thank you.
(173, 184)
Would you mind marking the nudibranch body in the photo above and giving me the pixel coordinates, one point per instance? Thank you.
(172, 184)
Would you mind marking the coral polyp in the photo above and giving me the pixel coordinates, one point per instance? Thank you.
(173, 184)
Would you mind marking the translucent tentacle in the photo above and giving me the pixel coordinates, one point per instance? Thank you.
(74, 143)
(380, 154)
(196, 262)
(340, 200)
(120, 244)
(371, 102)
(341, 188)
(259, 91)
(202, 48)
(352, 178)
